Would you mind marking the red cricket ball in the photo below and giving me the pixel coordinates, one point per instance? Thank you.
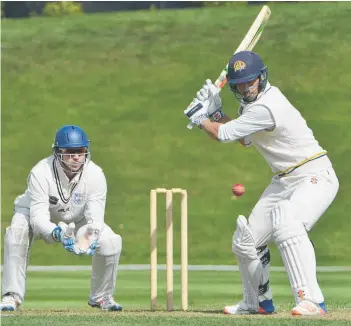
(238, 189)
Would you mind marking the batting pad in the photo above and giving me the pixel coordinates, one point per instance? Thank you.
(250, 265)
(243, 244)
(264, 289)
(297, 253)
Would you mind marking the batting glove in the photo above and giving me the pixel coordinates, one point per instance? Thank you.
(210, 93)
(196, 112)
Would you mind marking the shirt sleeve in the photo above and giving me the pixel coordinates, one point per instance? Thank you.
(253, 120)
(38, 188)
(96, 201)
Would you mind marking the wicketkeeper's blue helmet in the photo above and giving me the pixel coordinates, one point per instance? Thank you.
(71, 140)
(244, 67)
(70, 136)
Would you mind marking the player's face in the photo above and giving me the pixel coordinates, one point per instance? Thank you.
(249, 90)
(73, 158)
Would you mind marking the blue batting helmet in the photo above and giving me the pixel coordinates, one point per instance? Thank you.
(70, 137)
(244, 67)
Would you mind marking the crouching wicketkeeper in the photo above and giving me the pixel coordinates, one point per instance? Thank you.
(66, 191)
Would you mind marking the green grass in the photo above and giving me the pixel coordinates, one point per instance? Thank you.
(61, 298)
(200, 319)
(126, 79)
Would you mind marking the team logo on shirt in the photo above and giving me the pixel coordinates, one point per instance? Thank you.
(78, 198)
(53, 200)
(239, 65)
(314, 180)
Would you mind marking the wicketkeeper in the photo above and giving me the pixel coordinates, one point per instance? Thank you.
(65, 192)
(303, 187)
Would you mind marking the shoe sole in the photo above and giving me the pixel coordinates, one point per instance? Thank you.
(113, 309)
(261, 311)
(8, 309)
(227, 312)
(116, 308)
(298, 313)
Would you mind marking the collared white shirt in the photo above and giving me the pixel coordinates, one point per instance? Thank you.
(50, 197)
(276, 128)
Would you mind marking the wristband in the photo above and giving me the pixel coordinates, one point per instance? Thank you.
(218, 115)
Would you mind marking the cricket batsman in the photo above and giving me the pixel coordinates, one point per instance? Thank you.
(66, 194)
(302, 188)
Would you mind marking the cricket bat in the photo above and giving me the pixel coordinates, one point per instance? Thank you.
(247, 44)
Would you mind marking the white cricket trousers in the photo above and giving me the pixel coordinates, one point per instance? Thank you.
(19, 240)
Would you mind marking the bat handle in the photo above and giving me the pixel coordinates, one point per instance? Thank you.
(190, 126)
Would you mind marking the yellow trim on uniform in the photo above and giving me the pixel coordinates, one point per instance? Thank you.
(313, 157)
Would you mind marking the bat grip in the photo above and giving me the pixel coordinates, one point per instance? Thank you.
(190, 126)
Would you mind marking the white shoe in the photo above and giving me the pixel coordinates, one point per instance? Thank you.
(308, 308)
(106, 303)
(10, 302)
(240, 308)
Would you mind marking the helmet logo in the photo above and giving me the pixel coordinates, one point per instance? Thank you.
(239, 65)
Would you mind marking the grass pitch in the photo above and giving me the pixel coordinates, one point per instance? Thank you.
(61, 299)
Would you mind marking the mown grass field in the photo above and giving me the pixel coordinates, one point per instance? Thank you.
(57, 298)
(126, 79)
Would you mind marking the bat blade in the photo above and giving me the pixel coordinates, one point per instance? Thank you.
(247, 44)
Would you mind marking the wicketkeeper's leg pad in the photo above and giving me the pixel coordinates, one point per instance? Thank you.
(105, 265)
(109, 242)
(18, 239)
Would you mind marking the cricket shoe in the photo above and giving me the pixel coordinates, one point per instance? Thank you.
(106, 303)
(240, 308)
(10, 302)
(309, 308)
(266, 307)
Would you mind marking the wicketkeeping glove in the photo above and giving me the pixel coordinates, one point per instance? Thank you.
(65, 234)
(87, 238)
(92, 248)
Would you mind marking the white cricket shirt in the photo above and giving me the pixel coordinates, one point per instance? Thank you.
(50, 197)
(276, 128)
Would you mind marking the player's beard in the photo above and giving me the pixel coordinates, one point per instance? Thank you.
(250, 94)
